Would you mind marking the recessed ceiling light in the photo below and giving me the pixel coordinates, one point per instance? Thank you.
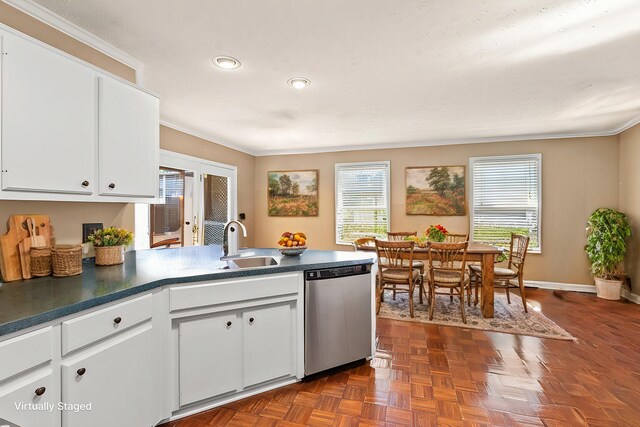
(226, 62)
(299, 82)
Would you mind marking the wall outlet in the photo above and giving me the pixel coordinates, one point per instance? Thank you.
(89, 228)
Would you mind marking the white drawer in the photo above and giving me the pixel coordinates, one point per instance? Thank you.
(100, 324)
(25, 352)
(243, 289)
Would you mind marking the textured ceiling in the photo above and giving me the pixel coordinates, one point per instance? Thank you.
(383, 73)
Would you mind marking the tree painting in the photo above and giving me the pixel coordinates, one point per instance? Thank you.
(293, 193)
(435, 190)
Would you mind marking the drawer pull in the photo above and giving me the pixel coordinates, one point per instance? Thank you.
(81, 371)
(117, 320)
(85, 183)
(40, 391)
(251, 320)
(229, 324)
(112, 186)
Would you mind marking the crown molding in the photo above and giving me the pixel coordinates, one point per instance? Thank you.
(627, 125)
(416, 144)
(72, 30)
(205, 137)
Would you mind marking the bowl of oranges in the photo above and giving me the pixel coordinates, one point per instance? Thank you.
(292, 244)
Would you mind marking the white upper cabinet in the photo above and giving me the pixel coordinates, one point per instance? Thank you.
(70, 131)
(128, 140)
(48, 120)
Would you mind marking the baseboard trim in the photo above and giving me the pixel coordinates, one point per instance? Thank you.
(629, 296)
(575, 287)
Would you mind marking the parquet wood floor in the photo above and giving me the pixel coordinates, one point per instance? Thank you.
(432, 375)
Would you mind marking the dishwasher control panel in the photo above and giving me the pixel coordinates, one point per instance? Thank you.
(331, 273)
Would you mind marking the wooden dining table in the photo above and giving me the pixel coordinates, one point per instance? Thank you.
(476, 252)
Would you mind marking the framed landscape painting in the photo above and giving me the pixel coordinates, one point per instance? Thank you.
(435, 190)
(292, 193)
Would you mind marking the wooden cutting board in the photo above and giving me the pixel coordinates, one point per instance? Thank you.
(10, 265)
(24, 249)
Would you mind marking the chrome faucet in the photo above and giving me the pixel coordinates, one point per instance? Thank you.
(225, 238)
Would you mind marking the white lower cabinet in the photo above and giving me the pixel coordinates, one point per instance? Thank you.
(144, 360)
(119, 379)
(268, 345)
(30, 400)
(210, 362)
(230, 352)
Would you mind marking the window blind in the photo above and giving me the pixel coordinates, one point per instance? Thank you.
(506, 199)
(171, 183)
(362, 201)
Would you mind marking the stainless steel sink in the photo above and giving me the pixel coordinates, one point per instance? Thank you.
(252, 262)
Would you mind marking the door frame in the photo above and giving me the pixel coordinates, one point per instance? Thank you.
(199, 166)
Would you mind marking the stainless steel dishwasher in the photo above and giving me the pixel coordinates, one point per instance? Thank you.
(338, 317)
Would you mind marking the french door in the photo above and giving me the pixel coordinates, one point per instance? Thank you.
(218, 202)
(198, 197)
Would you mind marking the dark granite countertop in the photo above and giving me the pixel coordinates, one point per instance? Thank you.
(31, 302)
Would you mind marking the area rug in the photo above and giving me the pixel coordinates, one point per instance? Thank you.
(508, 318)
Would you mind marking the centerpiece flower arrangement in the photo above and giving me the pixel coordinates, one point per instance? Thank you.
(436, 233)
(109, 244)
(421, 241)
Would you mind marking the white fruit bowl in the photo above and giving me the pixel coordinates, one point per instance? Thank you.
(292, 251)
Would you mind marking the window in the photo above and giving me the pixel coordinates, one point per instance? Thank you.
(362, 200)
(506, 198)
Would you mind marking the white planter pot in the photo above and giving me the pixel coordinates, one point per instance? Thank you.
(608, 289)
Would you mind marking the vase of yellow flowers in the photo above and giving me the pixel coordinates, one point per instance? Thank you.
(109, 245)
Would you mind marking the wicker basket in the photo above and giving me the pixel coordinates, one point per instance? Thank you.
(109, 255)
(41, 261)
(66, 260)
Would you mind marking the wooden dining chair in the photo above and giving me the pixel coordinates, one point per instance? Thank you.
(447, 271)
(456, 238)
(515, 269)
(400, 236)
(396, 271)
(364, 243)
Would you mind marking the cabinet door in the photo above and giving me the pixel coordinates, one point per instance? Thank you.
(121, 380)
(48, 120)
(210, 357)
(128, 140)
(36, 400)
(268, 343)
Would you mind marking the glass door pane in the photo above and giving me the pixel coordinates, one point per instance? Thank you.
(216, 207)
(167, 219)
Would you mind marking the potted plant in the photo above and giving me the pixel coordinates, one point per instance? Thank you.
(607, 234)
(109, 245)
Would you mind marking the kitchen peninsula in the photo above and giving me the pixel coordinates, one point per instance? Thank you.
(174, 330)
